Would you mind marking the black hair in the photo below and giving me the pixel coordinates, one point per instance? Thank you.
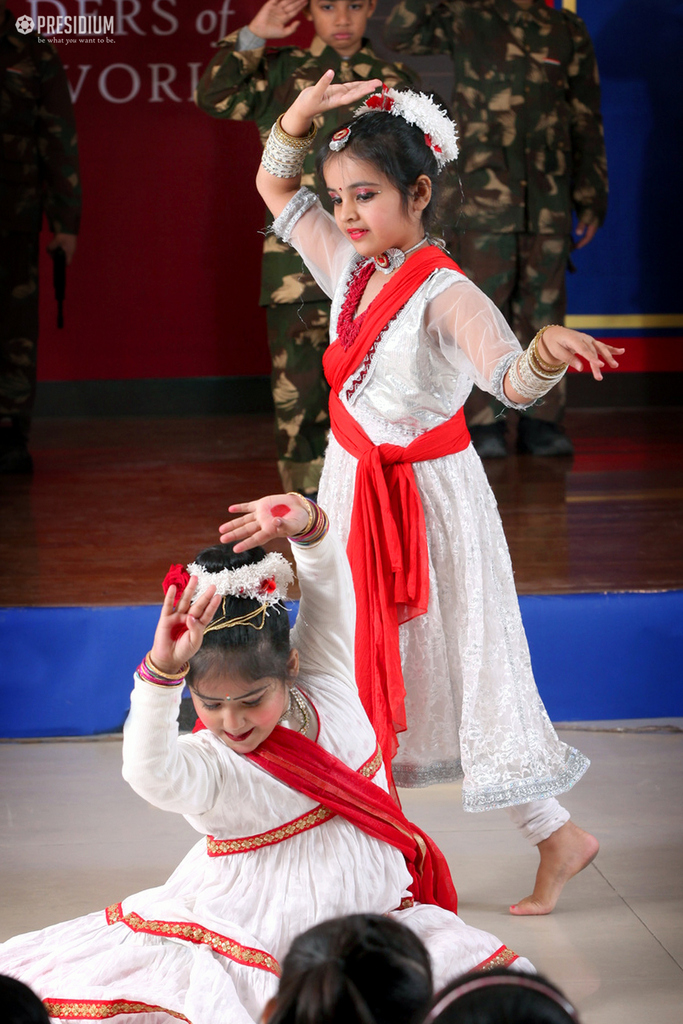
(360, 969)
(396, 148)
(513, 999)
(19, 1004)
(251, 653)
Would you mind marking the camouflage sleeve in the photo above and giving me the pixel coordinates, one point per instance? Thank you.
(235, 82)
(414, 26)
(589, 160)
(58, 146)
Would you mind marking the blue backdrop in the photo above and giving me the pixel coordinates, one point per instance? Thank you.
(68, 671)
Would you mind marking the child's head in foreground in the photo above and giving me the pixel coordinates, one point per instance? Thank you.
(19, 1004)
(241, 676)
(361, 969)
(501, 997)
(380, 170)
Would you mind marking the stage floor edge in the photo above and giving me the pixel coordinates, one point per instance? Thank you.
(597, 656)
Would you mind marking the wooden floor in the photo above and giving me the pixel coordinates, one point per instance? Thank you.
(114, 501)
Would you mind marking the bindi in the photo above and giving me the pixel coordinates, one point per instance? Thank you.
(277, 511)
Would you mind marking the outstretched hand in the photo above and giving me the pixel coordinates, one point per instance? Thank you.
(180, 632)
(274, 19)
(562, 345)
(278, 515)
(323, 96)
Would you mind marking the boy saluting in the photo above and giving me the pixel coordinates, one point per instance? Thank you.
(247, 81)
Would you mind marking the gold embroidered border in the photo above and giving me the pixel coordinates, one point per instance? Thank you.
(102, 1009)
(227, 847)
(190, 932)
(503, 957)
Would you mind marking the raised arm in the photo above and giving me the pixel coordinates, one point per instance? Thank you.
(239, 82)
(324, 632)
(160, 767)
(279, 176)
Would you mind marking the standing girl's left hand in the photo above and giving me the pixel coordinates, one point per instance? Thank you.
(180, 632)
(278, 515)
(562, 345)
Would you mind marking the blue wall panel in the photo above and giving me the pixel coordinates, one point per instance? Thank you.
(68, 671)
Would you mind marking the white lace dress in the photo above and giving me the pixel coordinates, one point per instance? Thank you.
(205, 947)
(473, 710)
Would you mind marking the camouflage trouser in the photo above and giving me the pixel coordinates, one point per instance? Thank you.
(525, 276)
(298, 337)
(18, 325)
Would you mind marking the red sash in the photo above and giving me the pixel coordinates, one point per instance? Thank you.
(387, 545)
(309, 769)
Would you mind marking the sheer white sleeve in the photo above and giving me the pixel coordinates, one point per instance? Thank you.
(314, 234)
(172, 773)
(474, 336)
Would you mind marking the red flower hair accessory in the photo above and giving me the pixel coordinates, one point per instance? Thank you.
(177, 577)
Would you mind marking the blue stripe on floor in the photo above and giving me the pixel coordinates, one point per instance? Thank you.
(68, 671)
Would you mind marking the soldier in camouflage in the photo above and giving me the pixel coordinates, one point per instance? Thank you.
(247, 81)
(527, 104)
(38, 173)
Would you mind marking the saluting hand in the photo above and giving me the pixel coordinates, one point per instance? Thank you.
(274, 19)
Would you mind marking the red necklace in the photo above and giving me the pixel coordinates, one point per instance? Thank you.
(347, 326)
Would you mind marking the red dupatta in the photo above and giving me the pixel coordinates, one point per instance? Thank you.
(309, 769)
(387, 545)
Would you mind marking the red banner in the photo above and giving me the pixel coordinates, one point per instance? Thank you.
(165, 281)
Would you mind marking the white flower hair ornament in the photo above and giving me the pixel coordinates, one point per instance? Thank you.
(416, 108)
(265, 581)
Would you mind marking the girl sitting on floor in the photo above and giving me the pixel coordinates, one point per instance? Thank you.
(440, 646)
(284, 782)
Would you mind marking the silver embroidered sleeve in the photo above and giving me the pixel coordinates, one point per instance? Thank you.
(297, 206)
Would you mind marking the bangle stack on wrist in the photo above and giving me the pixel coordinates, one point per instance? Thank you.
(284, 154)
(317, 526)
(148, 671)
(531, 376)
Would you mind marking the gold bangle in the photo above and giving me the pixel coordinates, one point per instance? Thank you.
(174, 676)
(295, 141)
(309, 508)
(534, 353)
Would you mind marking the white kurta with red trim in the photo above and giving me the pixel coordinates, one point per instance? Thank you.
(206, 946)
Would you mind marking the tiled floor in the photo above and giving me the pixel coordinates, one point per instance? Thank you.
(74, 839)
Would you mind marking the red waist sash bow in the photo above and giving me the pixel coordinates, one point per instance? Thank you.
(387, 545)
(308, 768)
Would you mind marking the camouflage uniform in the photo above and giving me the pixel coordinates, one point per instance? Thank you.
(38, 172)
(527, 103)
(259, 85)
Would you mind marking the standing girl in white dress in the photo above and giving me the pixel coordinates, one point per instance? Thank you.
(442, 661)
(284, 782)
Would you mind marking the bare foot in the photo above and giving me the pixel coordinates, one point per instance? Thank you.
(563, 855)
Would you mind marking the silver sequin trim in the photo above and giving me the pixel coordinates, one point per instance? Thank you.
(297, 206)
(509, 794)
(497, 378)
(416, 777)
